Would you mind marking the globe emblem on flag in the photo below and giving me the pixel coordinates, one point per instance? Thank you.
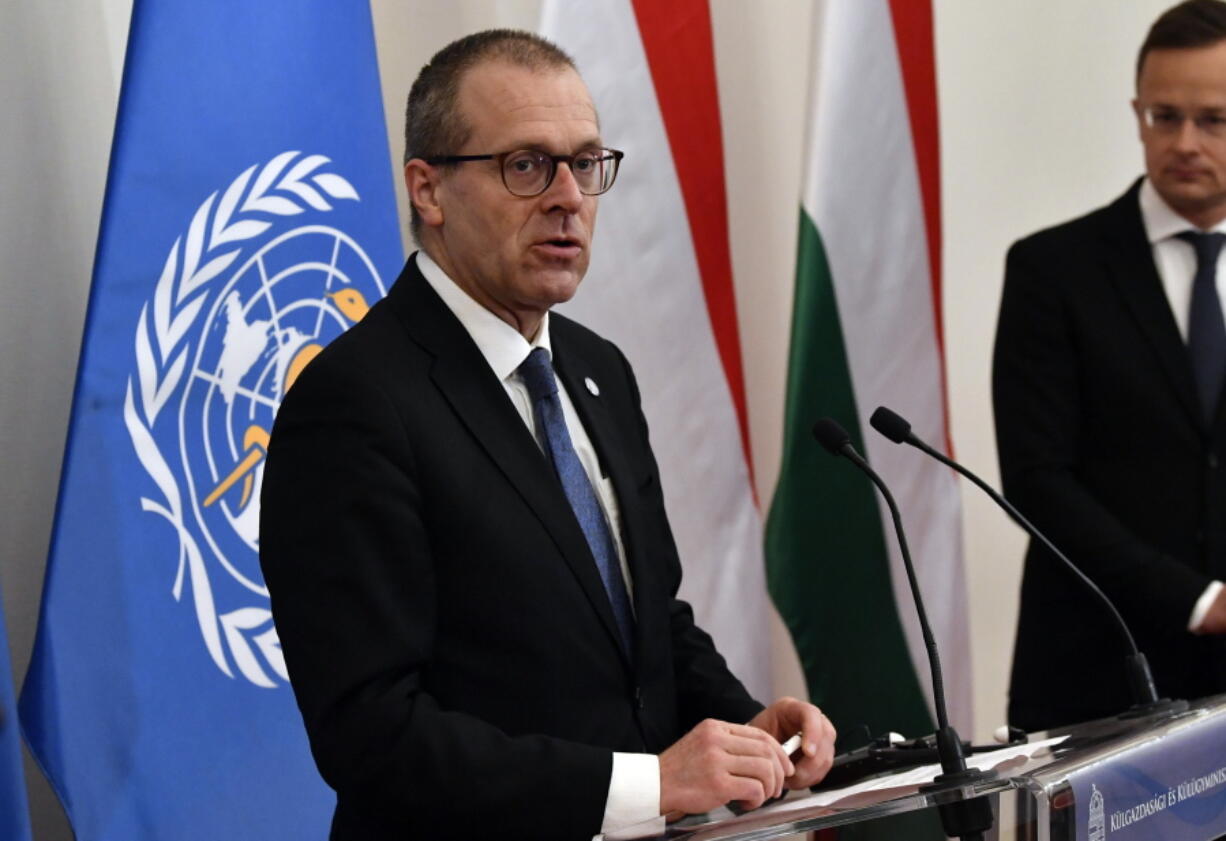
(243, 304)
(277, 312)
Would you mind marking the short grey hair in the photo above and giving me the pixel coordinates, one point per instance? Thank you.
(432, 122)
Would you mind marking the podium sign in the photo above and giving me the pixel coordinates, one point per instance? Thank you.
(1173, 787)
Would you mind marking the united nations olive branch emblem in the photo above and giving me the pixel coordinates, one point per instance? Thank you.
(249, 294)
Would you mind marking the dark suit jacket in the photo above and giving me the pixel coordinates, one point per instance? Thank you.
(447, 635)
(1103, 447)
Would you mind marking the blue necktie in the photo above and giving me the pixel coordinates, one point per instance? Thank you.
(537, 374)
(1206, 330)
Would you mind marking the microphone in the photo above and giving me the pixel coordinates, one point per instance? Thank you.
(836, 440)
(1140, 678)
(966, 819)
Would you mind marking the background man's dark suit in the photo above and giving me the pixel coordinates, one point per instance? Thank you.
(1102, 445)
(438, 606)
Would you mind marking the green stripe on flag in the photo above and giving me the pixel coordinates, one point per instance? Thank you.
(827, 567)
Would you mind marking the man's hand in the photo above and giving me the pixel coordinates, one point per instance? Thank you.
(1215, 619)
(717, 763)
(789, 716)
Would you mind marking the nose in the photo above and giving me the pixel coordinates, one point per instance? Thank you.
(563, 194)
(1187, 139)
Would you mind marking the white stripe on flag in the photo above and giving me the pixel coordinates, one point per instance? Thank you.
(644, 292)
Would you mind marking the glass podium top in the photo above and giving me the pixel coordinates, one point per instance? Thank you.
(1045, 780)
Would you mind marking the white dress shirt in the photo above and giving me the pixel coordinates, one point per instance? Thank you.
(1175, 260)
(634, 788)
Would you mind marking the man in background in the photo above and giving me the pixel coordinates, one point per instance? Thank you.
(1109, 363)
(463, 531)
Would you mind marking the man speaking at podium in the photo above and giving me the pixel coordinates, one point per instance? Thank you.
(463, 531)
(1110, 360)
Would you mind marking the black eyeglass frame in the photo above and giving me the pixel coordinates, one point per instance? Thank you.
(554, 160)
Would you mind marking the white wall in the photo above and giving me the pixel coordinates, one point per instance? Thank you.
(1035, 128)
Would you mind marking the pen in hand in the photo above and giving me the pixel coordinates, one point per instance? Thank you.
(790, 746)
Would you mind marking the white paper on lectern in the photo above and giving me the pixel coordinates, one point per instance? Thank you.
(905, 779)
(919, 775)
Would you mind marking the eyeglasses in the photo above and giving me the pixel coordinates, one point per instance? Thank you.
(1166, 120)
(529, 172)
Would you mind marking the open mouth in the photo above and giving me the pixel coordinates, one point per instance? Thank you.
(561, 246)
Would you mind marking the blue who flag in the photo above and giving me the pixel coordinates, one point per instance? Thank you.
(249, 219)
(14, 811)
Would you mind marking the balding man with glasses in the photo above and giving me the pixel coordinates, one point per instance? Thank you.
(1109, 366)
(463, 532)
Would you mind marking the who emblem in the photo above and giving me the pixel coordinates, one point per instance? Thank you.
(243, 303)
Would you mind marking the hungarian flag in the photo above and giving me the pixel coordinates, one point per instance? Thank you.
(660, 286)
(866, 331)
(248, 220)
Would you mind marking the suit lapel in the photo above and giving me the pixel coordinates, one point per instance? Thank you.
(479, 400)
(602, 428)
(1131, 269)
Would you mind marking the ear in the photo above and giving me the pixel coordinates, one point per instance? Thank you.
(422, 182)
(1137, 111)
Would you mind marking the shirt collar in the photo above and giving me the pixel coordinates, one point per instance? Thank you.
(1161, 221)
(501, 344)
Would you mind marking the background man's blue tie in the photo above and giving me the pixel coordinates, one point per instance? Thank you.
(1206, 330)
(537, 373)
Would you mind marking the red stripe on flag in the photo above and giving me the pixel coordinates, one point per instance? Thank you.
(677, 39)
(914, 39)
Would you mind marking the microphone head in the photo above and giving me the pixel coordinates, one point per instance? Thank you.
(891, 425)
(830, 435)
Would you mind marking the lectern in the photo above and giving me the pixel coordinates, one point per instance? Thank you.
(1161, 776)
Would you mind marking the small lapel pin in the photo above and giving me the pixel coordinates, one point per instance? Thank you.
(591, 386)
